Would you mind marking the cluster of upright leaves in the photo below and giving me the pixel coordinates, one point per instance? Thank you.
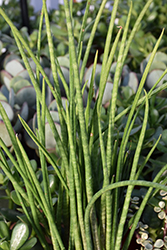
(94, 163)
(151, 25)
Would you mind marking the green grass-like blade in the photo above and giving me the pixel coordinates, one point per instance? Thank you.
(144, 77)
(112, 117)
(88, 47)
(82, 31)
(143, 204)
(51, 48)
(42, 196)
(9, 128)
(132, 176)
(41, 137)
(49, 157)
(90, 94)
(108, 58)
(62, 117)
(135, 28)
(38, 92)
(105, 71)
(109, 35)
(39, 43)
(77, 182)
(147, 158)
(115, 91)
(19, 37)
(79, 103)
(134, 105)
(8, 173)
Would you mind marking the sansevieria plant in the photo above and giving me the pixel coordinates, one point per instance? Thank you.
(95, 174)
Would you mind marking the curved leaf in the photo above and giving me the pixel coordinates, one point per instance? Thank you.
(4, 134)
(4, 230)
(8, 110)
(26, 94)
(14, 67)
(4, 245)
(19, 236)
(29, 244)
(153, 78)
(5, 78)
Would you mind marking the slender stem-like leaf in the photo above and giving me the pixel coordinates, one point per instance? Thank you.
(49, 157)
(88, 47)
(132, 177)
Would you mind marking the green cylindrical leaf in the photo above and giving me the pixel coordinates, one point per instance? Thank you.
(20, 234)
